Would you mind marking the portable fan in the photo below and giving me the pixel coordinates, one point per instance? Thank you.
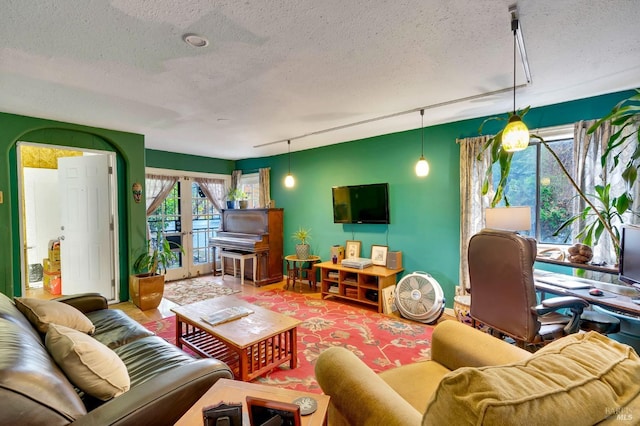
(419, 297)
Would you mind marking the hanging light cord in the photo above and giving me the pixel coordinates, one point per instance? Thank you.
(514, 28)
(422, 131)
(289, 149)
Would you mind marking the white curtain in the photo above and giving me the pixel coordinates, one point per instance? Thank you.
(588, 172)
(472, 203)
(213, 189)
(264, 195)
(236, 175)
(157, 189)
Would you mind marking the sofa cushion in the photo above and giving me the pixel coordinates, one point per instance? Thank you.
(415, 382)
(43, 312)
(581, 379)
(149, 357)
(90, 365)
(114, 328)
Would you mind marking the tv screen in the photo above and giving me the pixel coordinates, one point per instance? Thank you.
(630, 255)
(361, 203)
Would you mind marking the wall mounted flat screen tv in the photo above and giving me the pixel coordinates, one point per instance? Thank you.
(361, 203)
(630, 255)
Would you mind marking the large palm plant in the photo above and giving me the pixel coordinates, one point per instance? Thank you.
(603, 210)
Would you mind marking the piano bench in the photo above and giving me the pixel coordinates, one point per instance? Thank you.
(242, 257)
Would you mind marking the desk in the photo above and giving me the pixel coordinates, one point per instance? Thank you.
(296, 270)
(612, 298)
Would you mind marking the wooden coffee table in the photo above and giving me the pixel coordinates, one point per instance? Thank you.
(251, 345)
(230, 391)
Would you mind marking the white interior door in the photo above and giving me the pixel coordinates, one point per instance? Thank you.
(86, 256)
(42, 215)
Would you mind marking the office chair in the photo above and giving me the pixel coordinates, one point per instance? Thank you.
(504, 295)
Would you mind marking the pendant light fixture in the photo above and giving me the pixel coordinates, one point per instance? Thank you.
(289, 181)
(422, 167)
(515, 136)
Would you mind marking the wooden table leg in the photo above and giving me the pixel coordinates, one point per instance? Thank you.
(243, 365)
(288, 273)
(178, 332)
(294, 348)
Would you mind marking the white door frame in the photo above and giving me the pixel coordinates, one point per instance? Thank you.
(113, 207)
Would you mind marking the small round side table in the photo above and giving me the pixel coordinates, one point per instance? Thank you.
(295, 268)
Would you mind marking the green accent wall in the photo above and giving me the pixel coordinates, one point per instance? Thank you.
(130, 168)
(425, 212)
(425, 219)
(193, 163)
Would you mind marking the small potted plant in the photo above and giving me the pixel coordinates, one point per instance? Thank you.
(233, 195)
(146, 285)
(243, 200)
(302, 235)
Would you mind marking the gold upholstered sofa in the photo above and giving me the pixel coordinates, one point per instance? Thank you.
(476, 379)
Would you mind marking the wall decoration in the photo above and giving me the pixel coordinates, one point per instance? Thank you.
(379, 255)
(137, 192)
(353, 249)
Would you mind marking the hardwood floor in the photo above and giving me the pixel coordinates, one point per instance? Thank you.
(164, 311)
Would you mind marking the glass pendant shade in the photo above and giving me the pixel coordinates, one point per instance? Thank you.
(422, 167)
(289, 181)
(515, 136)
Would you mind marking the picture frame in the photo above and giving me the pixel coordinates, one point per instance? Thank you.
(352, 249)
(268, 412)
(222, 413)
(389, 299)
(379, 255)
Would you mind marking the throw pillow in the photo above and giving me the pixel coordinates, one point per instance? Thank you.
(580, 379)
(90, 365)
(41, 313)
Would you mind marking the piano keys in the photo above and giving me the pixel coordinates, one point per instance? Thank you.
(258, 231)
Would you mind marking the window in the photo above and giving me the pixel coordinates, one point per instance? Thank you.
(249, 183)
(205, 221)
(166, 220)
(536, 180)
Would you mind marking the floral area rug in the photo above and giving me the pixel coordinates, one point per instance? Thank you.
(382, 342)
(189, 291)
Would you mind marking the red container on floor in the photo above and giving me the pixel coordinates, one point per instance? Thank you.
(52, 282)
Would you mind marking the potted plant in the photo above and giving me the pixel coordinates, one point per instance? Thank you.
(302, 235)
(233, 195)
(146, 285)
(243, 200)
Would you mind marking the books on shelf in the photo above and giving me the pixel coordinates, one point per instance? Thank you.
(333, 275)
(333, 289)
(226, 315)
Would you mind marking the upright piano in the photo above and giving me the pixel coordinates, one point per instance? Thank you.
(256, 231)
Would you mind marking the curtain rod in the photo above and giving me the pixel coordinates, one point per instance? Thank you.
(396, 114)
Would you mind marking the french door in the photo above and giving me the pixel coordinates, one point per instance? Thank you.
(186, 217)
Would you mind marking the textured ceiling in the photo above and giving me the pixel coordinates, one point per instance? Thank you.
(278, 70)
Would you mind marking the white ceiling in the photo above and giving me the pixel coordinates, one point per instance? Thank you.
(277, 70)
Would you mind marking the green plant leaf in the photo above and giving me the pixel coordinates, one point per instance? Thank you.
(622, 203)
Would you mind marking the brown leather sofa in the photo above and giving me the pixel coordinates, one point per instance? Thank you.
(476, 379)
(164, 381)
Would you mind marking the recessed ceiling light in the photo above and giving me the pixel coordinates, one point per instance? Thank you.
(195, 40)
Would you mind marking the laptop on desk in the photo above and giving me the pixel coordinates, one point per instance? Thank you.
(569, 282)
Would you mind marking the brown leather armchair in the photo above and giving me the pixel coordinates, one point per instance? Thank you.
(503, 291)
